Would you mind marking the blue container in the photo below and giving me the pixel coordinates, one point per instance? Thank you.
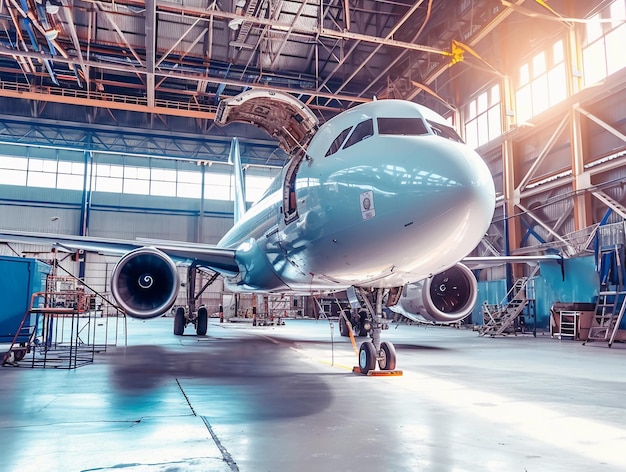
(19, 279)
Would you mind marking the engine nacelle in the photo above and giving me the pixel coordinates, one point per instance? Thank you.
(145, 283)
(446, 297)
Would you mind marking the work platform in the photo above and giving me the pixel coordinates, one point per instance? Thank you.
(284, 398)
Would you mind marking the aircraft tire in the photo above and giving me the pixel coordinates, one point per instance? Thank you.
(179, 321)
(387, 356)
(359, 327)
(202, 321)
(367, 357)
(343, 327)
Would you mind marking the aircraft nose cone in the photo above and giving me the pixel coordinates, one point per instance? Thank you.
(449, 200)
(479, 196)
(476, 184)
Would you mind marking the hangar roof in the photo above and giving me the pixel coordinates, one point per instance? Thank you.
(165, 64)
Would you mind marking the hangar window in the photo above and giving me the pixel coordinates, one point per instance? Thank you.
(109, 178)
(46, 173)
(482, 117)
(163, 182)
(13, 170)
(137, 180)
(256, 186)
(402, 126)
(604, 37)
(42, 173)
(541, 82)
(70, 175)
(337, 142)
(362, 131)
(217, 186)
(181, 179)
(188, 184)
(220, 186)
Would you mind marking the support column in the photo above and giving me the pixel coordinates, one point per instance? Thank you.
(583, 215)
(513, 227)
(85, 205)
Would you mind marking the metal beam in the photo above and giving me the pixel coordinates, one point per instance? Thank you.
(543, 154)
(150, 30)
(571, 251)
(288, 33)
(109, 101)
(388, 37)
(179, 75)
(581, 179)
(109, 139)
(599, 122)
(613, 204)
(171, 9)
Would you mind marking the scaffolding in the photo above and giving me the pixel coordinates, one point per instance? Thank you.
(67, 327)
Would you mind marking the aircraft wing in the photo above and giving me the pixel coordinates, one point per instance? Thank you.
(205, 255)
(479, 262)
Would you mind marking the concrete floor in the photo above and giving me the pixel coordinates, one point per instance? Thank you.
(284, 399)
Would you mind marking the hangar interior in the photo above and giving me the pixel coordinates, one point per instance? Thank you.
(107, 127)
(107, 130)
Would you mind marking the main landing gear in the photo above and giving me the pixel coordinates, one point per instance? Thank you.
(200, 320)
(189, 315)
(375, 352)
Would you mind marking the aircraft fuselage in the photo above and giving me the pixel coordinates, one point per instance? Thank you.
(380, 199)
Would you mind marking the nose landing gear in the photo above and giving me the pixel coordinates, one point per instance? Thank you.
(376, 352)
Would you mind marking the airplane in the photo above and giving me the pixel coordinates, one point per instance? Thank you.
(380, 197)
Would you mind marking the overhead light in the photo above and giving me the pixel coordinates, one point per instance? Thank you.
(52, 8)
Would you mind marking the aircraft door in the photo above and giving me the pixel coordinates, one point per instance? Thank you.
(290, 204)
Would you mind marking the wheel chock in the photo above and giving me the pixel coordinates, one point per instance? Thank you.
(378, 373)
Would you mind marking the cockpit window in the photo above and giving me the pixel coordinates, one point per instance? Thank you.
(402, 126)
(337, 142)
(362, 131)
(445, 131)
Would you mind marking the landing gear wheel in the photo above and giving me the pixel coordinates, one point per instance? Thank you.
(201, 322)
(387, 356)
(362, 327)
(179, 321)
(343, 327)
(367, 357)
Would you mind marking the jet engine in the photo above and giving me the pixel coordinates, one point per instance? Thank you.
(446, 297)
(145, 283)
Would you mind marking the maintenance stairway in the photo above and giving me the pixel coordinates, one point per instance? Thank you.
(500, 319)
(611, 303)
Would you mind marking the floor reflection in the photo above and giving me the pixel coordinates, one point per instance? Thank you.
(232, 380)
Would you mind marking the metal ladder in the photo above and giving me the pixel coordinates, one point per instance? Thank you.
(611, 304)
(609, 313)
(501, 316)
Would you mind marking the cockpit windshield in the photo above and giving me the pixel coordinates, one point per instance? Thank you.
(402, 126)
(444, 131)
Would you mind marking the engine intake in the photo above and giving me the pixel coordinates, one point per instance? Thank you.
(446, 297)
(145, 283)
